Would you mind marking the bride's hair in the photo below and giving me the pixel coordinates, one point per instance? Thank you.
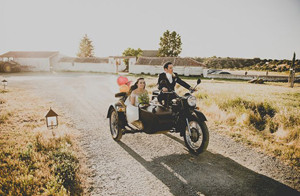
(135, 86)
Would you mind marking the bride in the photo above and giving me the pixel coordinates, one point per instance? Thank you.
(132, 110)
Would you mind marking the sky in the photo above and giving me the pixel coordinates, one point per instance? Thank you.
(231, 28)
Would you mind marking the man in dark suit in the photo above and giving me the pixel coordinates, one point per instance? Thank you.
(167, 82)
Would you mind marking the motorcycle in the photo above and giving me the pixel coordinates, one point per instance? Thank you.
(179, 115)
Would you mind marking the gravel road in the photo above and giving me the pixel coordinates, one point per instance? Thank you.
(144, 164)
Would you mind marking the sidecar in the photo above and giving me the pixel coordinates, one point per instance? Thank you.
(155, 118)
(178, 114)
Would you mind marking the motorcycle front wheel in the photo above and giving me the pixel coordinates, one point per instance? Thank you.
(197, 139)
(115, 130)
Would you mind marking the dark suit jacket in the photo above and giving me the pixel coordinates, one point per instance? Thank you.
(164, 82)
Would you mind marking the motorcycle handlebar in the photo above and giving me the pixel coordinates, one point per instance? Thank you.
(171, 92)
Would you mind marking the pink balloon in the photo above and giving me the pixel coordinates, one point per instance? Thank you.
(122, 80)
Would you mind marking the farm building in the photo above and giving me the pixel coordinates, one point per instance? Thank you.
(34, 61)
(154, 65)
(110, 64)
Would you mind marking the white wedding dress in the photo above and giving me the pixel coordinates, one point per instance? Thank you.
(132, 112)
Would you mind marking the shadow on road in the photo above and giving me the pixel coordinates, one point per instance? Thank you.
(209, 174)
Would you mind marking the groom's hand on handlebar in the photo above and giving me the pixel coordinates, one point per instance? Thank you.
(192, 89)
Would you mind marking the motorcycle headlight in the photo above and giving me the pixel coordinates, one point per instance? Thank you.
(192, 101)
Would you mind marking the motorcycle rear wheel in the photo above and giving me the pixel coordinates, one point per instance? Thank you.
(115, 130)
(198, 141)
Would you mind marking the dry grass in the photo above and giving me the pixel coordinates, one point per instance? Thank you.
(264, 116)
(33, 160)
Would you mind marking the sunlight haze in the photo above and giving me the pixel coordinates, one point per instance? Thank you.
(247, 29)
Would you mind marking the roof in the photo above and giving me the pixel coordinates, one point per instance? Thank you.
(150, 53)
(122, 57)
(83, 60)
(30, 54)
(51, 113)
(176, 61)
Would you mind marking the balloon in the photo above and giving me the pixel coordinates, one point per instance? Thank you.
(129, 83)
(124, 88)
(122, 80)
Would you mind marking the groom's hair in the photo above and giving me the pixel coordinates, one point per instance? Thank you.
(166, 65)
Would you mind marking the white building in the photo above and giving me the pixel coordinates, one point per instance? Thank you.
(34, 61)
(154, 65)
(112, 64)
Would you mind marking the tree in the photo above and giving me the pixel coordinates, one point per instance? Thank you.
(86, 48)
(170, 44)
(131, 52)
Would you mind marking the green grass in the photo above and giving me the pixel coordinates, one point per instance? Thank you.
(41, 167)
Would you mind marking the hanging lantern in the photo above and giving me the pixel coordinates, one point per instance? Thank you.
(4, 83)
(51, 119)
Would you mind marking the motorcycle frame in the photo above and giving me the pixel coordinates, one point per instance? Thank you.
(185, 112)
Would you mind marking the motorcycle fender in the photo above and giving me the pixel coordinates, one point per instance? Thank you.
(111, 107)
(200, 115)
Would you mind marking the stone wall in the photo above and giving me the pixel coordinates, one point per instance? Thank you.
(88, 67)
(157, 69)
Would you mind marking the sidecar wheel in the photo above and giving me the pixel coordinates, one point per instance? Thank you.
(115, 130)
(197, 142)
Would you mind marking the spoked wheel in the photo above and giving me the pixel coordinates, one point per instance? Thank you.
(196, 140)
(115, 130)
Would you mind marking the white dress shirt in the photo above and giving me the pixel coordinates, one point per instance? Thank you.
(169, 76)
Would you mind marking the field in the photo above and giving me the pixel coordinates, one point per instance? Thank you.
(33, 159)
(265, 116)
(37, 161)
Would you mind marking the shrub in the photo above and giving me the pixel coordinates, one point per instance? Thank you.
(4, 117)
(256, 121)
(272, 126)
(258, 113)
(290, 120)
(65, 168)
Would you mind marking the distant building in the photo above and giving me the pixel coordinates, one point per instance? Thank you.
(150, 53)
(112, 64)
(35, 61)
(154, 65)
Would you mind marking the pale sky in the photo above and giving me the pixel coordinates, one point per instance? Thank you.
(231, 28)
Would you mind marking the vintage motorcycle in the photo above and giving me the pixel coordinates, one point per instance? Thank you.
(179, 115)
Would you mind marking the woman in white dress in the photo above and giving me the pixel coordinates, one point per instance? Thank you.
(132, 110)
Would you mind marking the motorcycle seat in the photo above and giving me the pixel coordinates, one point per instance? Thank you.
(157, 110)
(161, 110)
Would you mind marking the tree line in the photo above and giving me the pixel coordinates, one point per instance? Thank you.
(251, 64)
(170, 46)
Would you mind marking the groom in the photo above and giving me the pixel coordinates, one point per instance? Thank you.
(167, 81)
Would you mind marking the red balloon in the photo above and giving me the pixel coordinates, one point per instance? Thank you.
(122, 80)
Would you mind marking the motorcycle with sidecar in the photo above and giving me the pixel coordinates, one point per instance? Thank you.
(177, 115)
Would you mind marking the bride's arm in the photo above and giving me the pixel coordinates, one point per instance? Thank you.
(132, 99)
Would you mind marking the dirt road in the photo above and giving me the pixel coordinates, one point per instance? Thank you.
(154, 164)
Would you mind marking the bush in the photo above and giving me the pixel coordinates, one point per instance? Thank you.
(65, 168)
(259, 114)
